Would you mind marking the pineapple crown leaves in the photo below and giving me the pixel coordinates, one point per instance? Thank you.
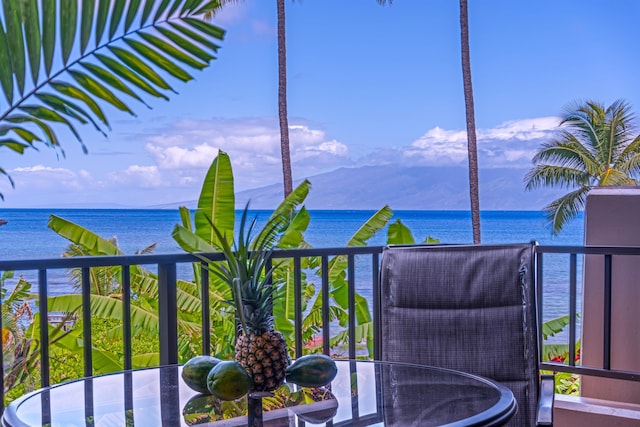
(249, 270)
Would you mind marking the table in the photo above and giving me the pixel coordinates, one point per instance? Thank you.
(363, 393)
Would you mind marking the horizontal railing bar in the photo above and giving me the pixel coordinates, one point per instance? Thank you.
(144, 259)
(102, 261)
(594, 372)
(596, 250)
(310, 252)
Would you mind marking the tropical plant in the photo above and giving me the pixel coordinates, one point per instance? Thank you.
(472, 145)
(596, 146)
(565, 382)
(21, 339)
(216, 208)
(106, 50)
(16, 313)
(104, 281)
(260, 348)
(106, 300)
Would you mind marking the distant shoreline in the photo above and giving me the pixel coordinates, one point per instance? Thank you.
(240, 208)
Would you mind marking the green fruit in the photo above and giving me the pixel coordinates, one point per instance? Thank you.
(228, 380)
(195, 371)
(313, 370)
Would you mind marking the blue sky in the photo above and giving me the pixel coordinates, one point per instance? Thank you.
(368, 85)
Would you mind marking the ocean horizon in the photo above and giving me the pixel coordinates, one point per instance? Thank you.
(26, 236)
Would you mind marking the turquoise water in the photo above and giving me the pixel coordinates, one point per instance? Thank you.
(26, 236)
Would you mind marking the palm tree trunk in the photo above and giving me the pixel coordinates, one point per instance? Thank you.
(471, 122)
(282, 102)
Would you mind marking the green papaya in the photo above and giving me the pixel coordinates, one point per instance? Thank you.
(313, 370)
(228, 380)
(195, 371)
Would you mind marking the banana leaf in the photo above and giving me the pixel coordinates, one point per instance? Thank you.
(216, 204)
(399, 234)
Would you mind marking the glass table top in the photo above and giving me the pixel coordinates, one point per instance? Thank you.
(364, 393)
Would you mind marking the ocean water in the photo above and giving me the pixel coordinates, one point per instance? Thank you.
(26, 235)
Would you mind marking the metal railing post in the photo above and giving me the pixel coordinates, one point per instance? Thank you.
(167, 314)
(606, 347)
(86, 321)
(44, 328)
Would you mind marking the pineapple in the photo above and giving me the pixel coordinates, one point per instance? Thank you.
(264, 356)
(260, 348)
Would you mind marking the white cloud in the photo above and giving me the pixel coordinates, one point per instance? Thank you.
(42, 169)
(511, 144)
(253, 145)
(178, 156)
(138, 176)
(175, 157)
(522, 130)
(439, 145)
(46, 177)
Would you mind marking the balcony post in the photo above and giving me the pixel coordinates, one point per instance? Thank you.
(610, 334)
(168, 314)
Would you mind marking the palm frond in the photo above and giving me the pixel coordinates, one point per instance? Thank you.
(137, 47)
(596, 146)
(561, 210)
(567, 151)
(629, 162)
(551, 175)
(614, 177)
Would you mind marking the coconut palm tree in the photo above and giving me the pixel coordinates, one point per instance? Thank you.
(282, 101)
(283, 115)
(596, 146)
(472, 147)
(61, 61)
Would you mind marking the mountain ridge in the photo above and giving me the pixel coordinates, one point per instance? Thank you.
(409, 188)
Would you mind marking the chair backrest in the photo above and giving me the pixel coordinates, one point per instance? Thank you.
(465, 307)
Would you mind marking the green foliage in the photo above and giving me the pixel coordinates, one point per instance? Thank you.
(596, 146)
(284, 229)
(565, 382)
(108, 54)
(216, 204)
(400, 234)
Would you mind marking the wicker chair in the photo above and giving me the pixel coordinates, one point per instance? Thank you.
(470, 308)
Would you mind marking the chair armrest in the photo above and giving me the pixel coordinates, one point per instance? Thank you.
(545, 402)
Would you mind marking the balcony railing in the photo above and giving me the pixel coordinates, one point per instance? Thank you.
(576, 256)
(362, 277)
